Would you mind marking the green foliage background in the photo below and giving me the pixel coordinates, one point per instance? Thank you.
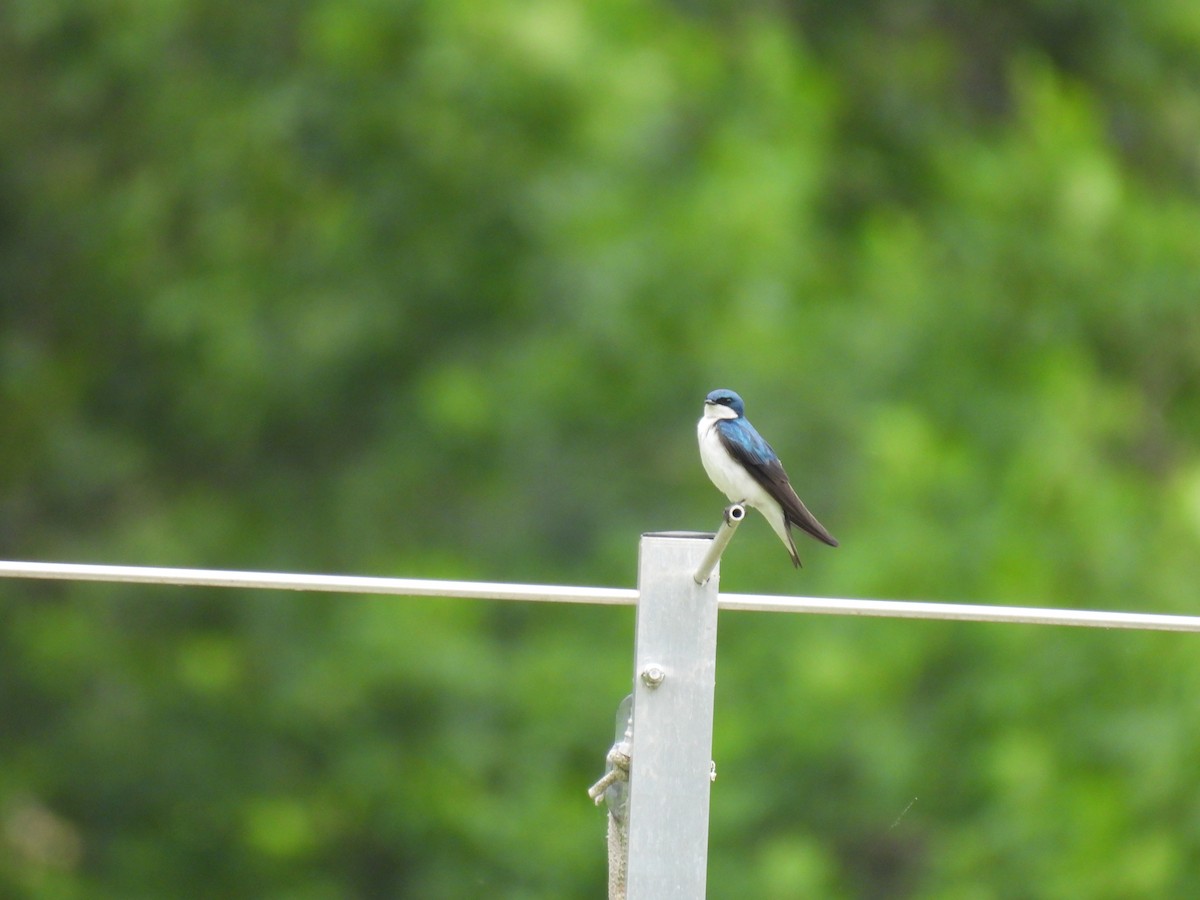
(436, 289)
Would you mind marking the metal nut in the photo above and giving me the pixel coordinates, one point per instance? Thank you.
(653, 675)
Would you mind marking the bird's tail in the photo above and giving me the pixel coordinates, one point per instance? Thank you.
(786, 534)
(808, 522)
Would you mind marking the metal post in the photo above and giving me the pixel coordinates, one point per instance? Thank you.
(673, 683)
(733, 517)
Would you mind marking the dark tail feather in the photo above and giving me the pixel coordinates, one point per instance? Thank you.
(808, 523)
(792, 545)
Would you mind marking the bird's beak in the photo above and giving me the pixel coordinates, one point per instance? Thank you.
(708, 402)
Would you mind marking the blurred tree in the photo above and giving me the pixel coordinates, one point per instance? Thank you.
(435, 289)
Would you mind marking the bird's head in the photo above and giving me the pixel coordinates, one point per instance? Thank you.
(724, 404)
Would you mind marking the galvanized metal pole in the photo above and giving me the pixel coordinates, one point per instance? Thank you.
(674, 680)
(733, 517)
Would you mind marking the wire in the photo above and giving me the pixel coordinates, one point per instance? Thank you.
(961, 612)
(483, 590)
(339, 584)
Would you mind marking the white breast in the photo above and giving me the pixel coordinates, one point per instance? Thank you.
(728, 475)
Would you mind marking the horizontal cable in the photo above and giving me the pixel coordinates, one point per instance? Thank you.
(960, 612)
(482, 590)
(339, 584)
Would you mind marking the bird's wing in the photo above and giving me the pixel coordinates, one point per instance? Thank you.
(747, 446)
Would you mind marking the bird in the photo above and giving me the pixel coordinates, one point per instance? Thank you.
(746, 470)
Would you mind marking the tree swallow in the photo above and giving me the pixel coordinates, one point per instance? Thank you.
(746, 470)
